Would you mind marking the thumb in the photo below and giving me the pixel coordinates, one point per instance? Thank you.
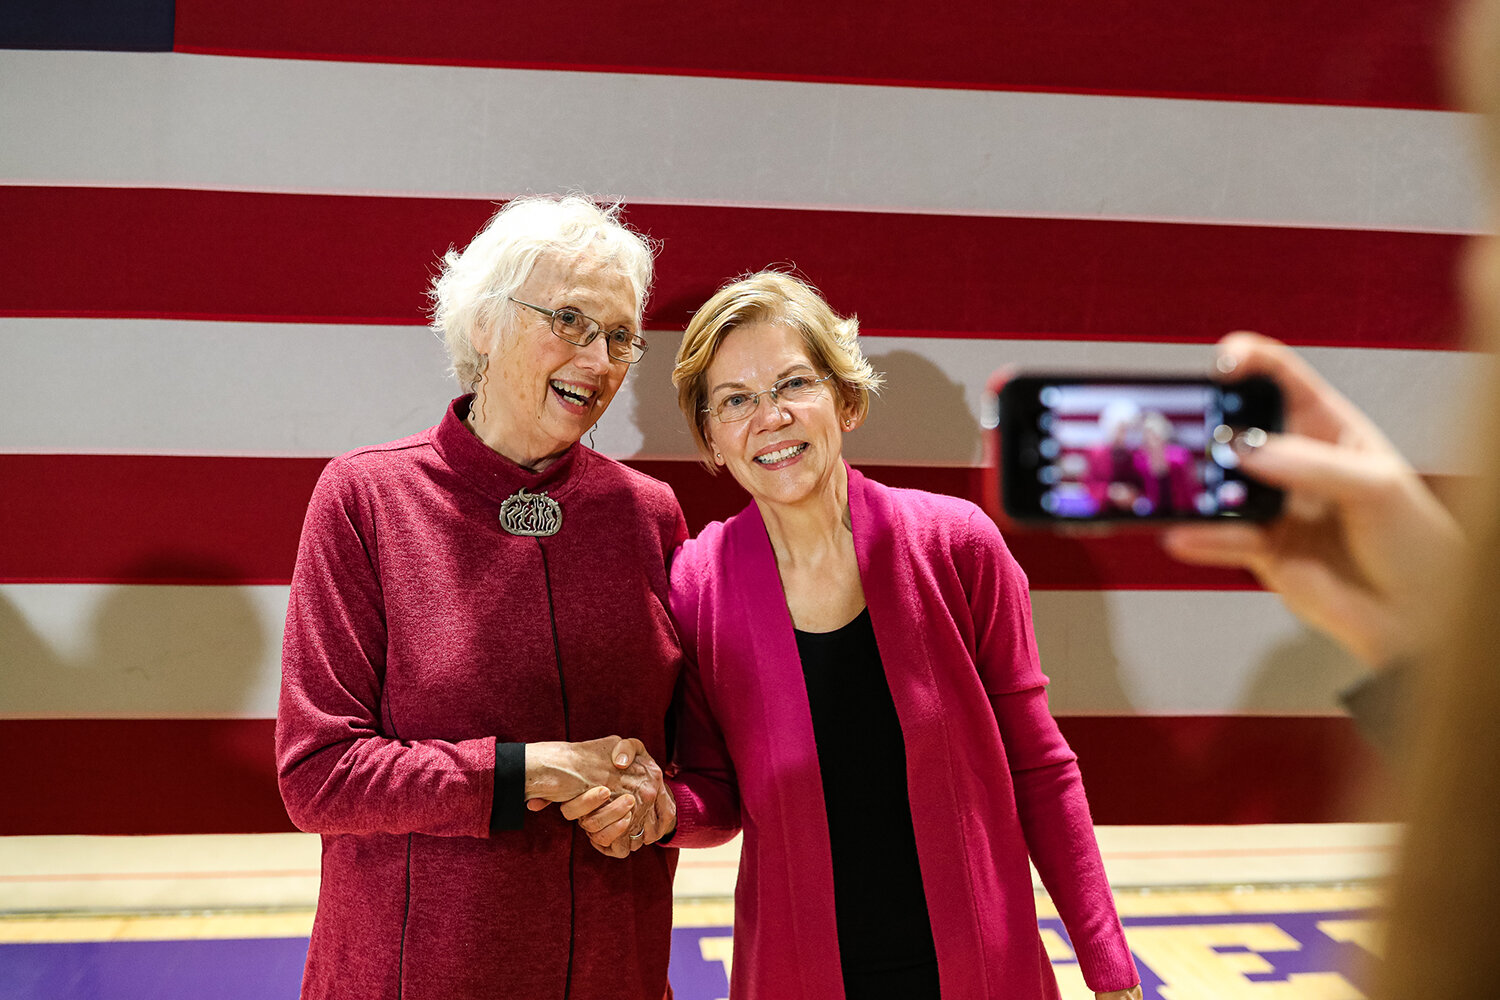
(623, 754)
(537, 805)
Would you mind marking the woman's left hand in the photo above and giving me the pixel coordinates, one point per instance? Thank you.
(1134, 993)
(609, 821)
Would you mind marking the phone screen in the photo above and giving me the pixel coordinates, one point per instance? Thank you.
(1122, 449)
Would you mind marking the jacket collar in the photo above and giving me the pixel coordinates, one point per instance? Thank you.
(491, 472)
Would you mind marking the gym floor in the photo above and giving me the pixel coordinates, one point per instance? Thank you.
(1283, 912)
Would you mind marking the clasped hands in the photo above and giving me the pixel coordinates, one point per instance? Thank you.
(611, 787)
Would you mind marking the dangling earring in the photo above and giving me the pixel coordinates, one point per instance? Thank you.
(476, 386)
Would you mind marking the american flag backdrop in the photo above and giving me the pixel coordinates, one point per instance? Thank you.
(218, 220)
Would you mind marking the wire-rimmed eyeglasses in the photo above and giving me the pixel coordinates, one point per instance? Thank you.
(737, 404)
(573, 326)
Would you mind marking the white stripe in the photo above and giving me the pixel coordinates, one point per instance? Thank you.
(177, 120)
(1194, 652)
(186, 387)
(120, 652)
(104, 651)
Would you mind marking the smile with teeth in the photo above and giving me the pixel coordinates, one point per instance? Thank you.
(781, 454)
(578, 395)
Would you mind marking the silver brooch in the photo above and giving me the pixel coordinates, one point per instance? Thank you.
(533, 514)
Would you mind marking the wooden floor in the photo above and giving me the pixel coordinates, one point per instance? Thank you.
(191, 933)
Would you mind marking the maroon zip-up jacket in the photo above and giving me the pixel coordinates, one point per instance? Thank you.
(420, 636)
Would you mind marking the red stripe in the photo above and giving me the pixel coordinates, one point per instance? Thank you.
(1223, 769)
(1382, 52)
(138, 519)
(140, 776)
(208, 520)
(324, 258)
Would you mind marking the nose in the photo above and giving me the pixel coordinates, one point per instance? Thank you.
(594, 356)
(770, 412)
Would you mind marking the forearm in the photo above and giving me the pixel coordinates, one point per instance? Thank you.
(1059, 831)
(1059, 834)
(376, 785)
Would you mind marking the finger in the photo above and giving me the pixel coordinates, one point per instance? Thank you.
(999, 377)
(1233, 545)
(537, 805)
(585, 802)
(651, 832)
(611, 833)
(612, 812)
(1326, 471)
(652, 767)
(646, 791)
(641, 835)
(664, 815)
(609, 850)
(1313, 406)
(623, 753)
(1364, 622)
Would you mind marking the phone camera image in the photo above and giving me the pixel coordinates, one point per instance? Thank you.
(1108, 449)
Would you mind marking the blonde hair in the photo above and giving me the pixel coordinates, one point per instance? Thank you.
(1157, 422)
(770, 297)
(471, 290)
(1476, 45)
(1441, 937)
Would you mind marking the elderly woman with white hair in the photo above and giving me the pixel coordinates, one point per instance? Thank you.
(477, 611)
(862, 697)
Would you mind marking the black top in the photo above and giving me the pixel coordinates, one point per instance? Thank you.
(885, 937)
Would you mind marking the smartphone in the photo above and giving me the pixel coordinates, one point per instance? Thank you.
(1088, 448)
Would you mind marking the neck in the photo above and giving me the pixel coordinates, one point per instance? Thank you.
(813, 528)
(496, 433)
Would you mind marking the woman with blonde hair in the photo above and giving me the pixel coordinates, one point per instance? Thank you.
(862, 696)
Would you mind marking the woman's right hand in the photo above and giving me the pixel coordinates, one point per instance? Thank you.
(559, 772)
(1363, 550)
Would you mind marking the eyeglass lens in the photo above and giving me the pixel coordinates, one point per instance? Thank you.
(740, 405)
(576, 328)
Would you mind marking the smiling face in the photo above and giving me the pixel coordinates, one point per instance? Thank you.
(785, 454)
(542, 393)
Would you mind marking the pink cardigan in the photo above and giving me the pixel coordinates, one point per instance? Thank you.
(991, 779)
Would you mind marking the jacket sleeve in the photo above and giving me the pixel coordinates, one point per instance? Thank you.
(701, 777)
(1050, 800)
(340, 767)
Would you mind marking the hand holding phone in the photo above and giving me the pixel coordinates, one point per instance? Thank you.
(1088, 449)
(1364, 552)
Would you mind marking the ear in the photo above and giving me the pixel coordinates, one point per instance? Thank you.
(482, 338)
(708, 437)
(486, 336)
(849, 420)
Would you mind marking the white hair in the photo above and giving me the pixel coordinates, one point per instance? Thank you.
(470, 292)
(1118, 415)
